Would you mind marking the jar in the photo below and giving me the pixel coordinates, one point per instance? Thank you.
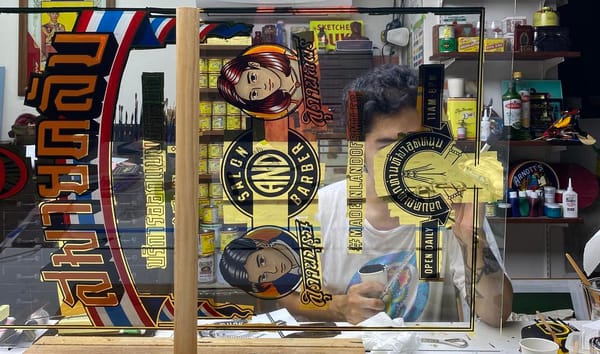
(546, 16)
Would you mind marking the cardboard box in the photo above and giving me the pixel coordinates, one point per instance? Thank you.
(493, 44)
(465, 109)
(468, 44)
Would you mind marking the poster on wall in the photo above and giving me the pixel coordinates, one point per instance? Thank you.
(391, 231)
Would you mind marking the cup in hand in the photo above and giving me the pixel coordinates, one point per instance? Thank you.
(374, 272)
(538, 346)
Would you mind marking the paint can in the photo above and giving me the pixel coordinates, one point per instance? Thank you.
(206, 240)
(206, 268)
(446, 39)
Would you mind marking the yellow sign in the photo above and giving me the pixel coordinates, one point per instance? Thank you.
(335, 30)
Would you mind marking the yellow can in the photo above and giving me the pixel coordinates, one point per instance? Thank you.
(206, 241)
(203, 80)
(203, 191)
(215, 190)
(215, 150)
(218, 122)
(202, 65)
(203, 166)
(219, 108)
(212, 80)
(205, 108)
(214, 165)
(204, 122)
(203, 151)
(214, 65)
(233, 122)
(232, 110)
(228, 234)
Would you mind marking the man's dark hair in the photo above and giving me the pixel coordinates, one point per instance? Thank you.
(385, 89)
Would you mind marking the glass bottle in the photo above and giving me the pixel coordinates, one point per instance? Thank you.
(322, 39)
(525, 105)
(511, 112)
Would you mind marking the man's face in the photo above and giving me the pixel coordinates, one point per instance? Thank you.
(388, 129)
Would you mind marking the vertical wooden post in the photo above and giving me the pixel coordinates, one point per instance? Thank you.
(186, 181)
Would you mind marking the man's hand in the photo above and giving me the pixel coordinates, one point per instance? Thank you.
(363, 301)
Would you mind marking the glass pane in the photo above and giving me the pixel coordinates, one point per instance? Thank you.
(333, 181)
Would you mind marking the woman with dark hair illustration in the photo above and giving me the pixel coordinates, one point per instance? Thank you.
(267, 269)
(263, 81)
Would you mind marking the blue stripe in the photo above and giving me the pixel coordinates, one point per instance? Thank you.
(157, 22)
(86, 219)
(117, 316)
(109, 21)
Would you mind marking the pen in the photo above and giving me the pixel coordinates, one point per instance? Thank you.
(391, 281)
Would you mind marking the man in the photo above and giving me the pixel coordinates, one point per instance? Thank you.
(388, 96)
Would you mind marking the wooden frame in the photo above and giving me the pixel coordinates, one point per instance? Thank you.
(27, 57)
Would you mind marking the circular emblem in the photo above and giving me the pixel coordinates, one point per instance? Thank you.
(284, 170)
(13, 173)
(270, 173)
(404, 175)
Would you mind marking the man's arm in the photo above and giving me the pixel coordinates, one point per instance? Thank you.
(493, 289)
(354, 307)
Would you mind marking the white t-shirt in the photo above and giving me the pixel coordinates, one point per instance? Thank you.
(413, 300)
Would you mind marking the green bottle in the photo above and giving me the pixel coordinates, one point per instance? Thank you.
(511, 112)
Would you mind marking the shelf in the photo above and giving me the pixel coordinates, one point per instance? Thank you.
(222, 47)
(468, 145)
(535, 220)
(504, 55)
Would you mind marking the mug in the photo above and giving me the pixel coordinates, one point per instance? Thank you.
(374, 272)
(538, 346)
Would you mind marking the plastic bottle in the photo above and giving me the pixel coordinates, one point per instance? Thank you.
(511, 112)
(525, 104)
(484, 129)
(513, 199)
(461, 130)
(570, 202)
(523, 204)
(280, 34)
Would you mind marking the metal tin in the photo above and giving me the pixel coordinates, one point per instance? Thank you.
(523, 41)
(231, 109)
(214, 65)
(205, 107)
(445, 32)
(204, 122)
(215, 190)
(218, 122)
(202, 80)
(210, 214)
(203, 166)
(228, 234)
(219, 107)
(206, 268)
(216, 229)
(206, 238)
(203, 190)
(202, 65)
(214, 165)
(212, 80)
(203, 151)
(215, 150)
(447, 45)
(233, 122)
